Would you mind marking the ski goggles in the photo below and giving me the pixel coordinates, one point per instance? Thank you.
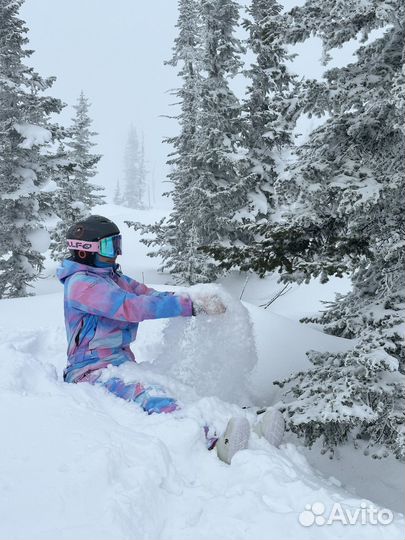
(106, 247)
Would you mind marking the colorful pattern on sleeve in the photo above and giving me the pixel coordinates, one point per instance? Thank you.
(102, 311)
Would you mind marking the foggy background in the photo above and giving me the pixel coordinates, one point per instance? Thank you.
(115, 54)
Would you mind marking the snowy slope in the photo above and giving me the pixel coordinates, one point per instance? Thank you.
(79, 463)
(282, 344)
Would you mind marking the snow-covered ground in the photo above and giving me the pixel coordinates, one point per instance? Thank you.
(77, 462)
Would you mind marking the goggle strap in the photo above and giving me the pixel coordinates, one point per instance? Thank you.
(90, 247)
(95, 247)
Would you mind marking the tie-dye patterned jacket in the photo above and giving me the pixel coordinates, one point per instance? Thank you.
(102, 312)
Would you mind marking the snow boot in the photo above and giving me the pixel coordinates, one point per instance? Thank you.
(236, 437)
(271, 427)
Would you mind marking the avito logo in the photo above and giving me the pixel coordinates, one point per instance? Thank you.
(315, 514)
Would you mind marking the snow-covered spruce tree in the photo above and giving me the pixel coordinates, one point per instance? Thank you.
(76, 195)
(270, 110)
(218, 192)
(349, 182)
(143, 173)
(175, 245)
(179, 247)
(80, 144)
(117, 194)
(207, 191)
(26, 158)
(67, 207)
(134, 189)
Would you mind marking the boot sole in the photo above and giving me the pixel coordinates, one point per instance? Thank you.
(272, 427)
(235, 438)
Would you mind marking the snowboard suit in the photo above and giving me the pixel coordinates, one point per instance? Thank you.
(103, 309)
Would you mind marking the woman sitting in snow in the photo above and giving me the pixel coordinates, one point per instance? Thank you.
(102, 311)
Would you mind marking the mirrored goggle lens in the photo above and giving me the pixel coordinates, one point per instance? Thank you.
(111, 246)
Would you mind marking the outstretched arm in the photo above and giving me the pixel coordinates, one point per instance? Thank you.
(202, 303)
(95, 295)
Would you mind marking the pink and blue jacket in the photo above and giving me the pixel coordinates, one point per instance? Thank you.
(103, 309)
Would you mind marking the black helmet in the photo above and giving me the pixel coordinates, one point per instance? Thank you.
(91, 229)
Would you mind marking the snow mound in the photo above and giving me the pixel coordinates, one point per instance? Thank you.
(213, 354)
(282, 345)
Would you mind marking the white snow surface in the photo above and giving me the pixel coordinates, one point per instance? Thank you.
(79, 463)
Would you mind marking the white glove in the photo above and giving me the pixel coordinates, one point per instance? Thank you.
(208, 305)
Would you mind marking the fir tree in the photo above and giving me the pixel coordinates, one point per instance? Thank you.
(348, 215)
(180, 248)
(270, 106)
(80, 144)
(207, 190)
(171, 236)
(143, 173)
(27, 160)
(76, 195)
(218, 192)
(117, 194)
(270, 110)
(134, 172)
(67, 206)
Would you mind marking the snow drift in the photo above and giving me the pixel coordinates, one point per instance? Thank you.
(78, 462)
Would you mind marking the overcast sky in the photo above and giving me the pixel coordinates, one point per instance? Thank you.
(115, 53)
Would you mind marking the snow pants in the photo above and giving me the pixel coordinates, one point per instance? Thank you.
(152, 399)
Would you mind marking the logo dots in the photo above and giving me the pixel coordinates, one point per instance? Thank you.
(312, 514)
